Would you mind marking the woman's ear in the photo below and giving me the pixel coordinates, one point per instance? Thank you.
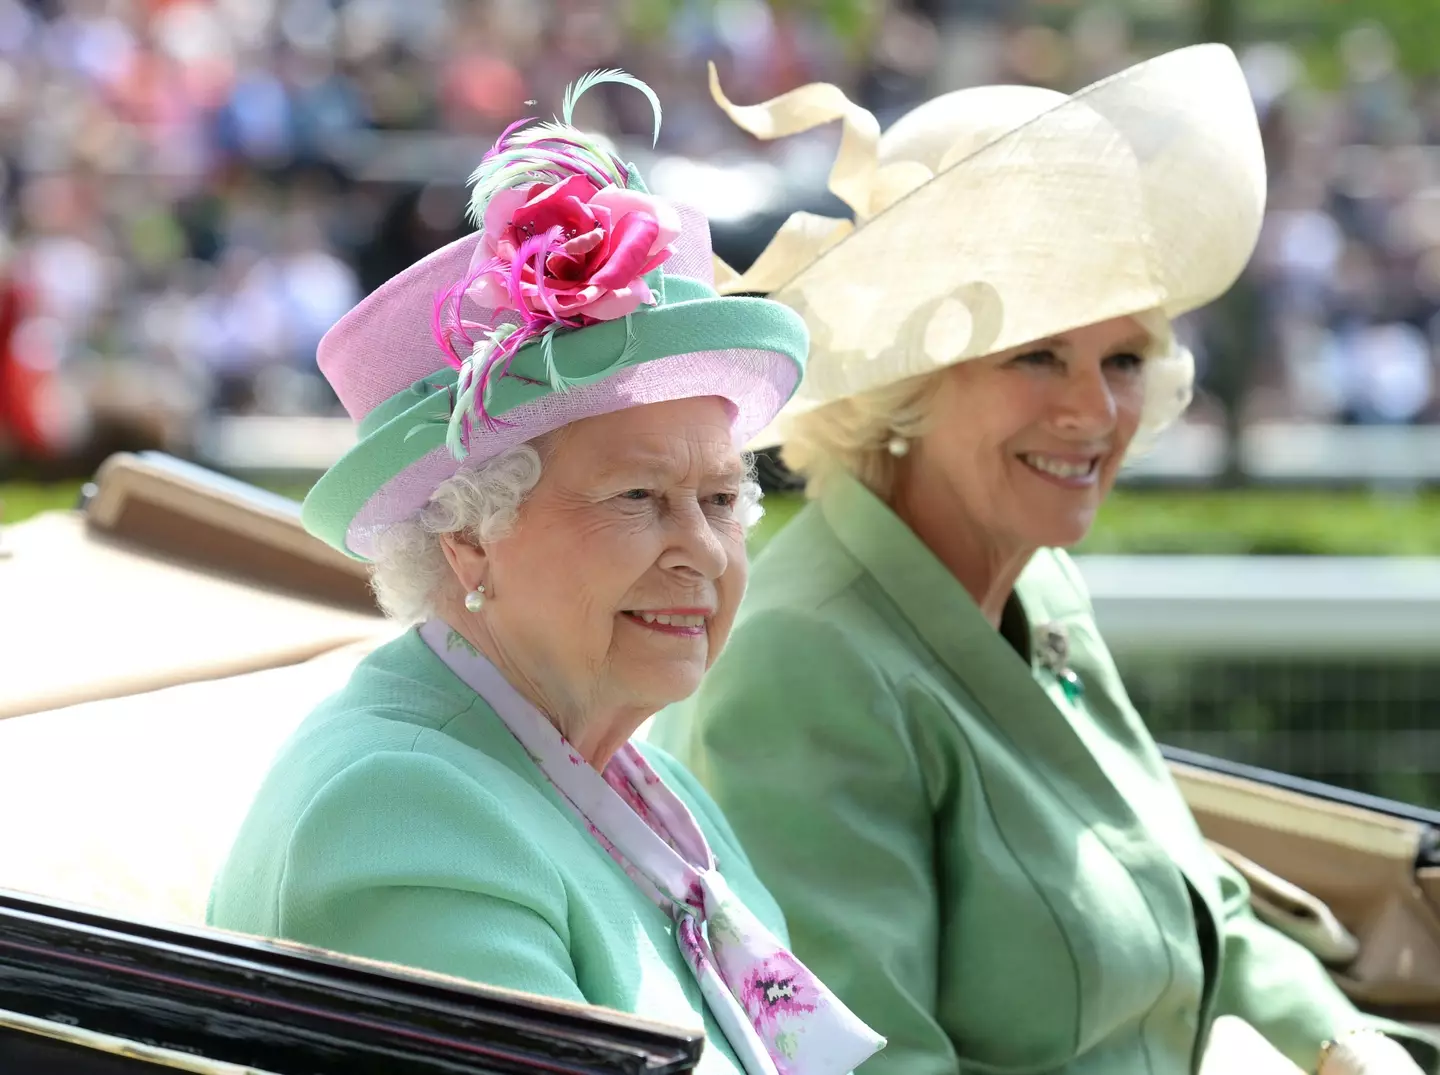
(467, 562)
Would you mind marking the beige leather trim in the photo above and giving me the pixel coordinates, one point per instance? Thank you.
(1428, 880)
(90, 616)
(169, 513)
(1355, 864)
(123, 479)
(1300, 915)
(1281, 811)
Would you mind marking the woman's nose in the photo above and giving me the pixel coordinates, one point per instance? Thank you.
(695, 547)
(1087, 402)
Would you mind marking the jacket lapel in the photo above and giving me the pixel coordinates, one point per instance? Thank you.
(952, 627)
(1007, 694)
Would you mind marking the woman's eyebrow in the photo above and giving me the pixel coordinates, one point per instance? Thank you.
(1138, 342)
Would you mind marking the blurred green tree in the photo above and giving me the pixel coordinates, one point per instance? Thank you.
(1414, 25)
(850, 20)
(1219, 21)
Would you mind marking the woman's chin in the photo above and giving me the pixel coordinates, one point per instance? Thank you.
(661, 687)
(1062, 531)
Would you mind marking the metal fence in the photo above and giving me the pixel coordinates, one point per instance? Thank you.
(1369, 724)
(1326, 669)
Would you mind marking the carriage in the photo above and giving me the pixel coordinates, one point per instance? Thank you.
(160, 642)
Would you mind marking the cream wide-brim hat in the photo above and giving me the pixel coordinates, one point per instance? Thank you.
(996, 216)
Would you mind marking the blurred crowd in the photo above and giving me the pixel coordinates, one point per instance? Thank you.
(1349, 266)
(192, 191)
(190, 194)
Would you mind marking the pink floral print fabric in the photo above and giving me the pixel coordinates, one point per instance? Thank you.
(777, 1016)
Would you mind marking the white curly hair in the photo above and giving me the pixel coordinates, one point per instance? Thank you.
(409, 571)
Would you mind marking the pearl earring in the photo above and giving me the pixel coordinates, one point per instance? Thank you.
(897, 445)
(475, 599)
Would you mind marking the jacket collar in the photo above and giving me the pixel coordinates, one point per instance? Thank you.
(475, 723)
(930, 598)
(1008, 695)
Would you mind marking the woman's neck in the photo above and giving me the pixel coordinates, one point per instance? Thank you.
(986, 566)
(595, 731)
(599, 738)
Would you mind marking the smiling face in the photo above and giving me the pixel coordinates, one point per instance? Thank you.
(617, 586)
(1027, 443)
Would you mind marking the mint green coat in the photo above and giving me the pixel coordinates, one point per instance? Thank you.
(403, 822)
(995, 877)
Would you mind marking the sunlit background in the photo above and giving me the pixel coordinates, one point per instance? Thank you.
(192, 191)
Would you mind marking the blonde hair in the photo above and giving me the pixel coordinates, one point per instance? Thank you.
(852, 435)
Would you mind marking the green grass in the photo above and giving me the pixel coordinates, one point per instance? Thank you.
(1254, 522)
(20, 500)
(1268, 522)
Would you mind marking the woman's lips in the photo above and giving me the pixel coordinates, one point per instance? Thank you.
(687, 622)
(1066, 471)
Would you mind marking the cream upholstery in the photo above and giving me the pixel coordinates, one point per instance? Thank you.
(86, 616)
(130, 804)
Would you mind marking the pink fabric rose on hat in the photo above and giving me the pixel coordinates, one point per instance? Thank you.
(572, 251)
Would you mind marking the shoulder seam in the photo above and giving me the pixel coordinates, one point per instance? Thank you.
(448, 720)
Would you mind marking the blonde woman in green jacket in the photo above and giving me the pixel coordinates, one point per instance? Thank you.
(916, 729)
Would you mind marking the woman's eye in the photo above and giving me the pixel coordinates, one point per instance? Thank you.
(725, 500)
(635, 494)
(1035, 358)
(1126, 363)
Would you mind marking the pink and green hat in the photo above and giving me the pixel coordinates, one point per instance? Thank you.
(580, 294)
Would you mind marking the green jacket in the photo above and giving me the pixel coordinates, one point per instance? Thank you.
(404, 822)
(998, 878)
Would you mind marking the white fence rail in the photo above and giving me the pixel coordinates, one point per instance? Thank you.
(1263, 606)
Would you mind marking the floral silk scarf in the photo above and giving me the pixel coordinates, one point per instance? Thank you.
(777, 1016)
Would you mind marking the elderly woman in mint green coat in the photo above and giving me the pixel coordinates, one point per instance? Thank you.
(916, 728)
(550, 481)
